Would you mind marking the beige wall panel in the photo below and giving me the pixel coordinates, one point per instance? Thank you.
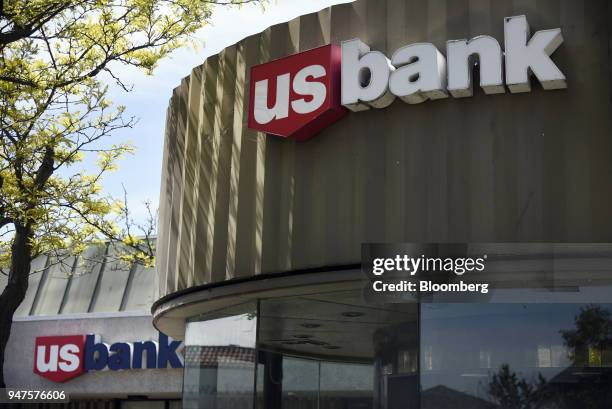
(112, 283)
(187, 213)
(279, 162)
(36, 272)
(510, 167)
(83, 280)
(340, 220)
(161, 253)
(265, 54)
(90, 283)
(197, 102)
(480, 158)
(395, 166)
(168, 191)
(245, 248)
(178, 163)
(52, 288)
(224, 131)
(239, 124)
(139, 293)
(203, 244)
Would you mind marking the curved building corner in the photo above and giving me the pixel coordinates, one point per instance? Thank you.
(267, 198)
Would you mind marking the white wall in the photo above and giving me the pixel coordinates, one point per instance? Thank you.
(19, 362)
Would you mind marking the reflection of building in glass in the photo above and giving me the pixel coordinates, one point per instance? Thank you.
(210, 356)
(260, 236)
(327, 347)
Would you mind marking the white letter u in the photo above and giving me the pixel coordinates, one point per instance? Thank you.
(264, 114)
(51, 365)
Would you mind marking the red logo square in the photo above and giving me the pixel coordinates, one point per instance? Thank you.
(297, 96)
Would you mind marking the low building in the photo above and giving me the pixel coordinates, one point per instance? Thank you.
(96, 305)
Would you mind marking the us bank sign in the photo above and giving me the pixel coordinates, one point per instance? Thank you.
(63, 357)
(297, 96)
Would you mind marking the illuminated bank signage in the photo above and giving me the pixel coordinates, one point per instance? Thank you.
(64, 357)
(297, 96)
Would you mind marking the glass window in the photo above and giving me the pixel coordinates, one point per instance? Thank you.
(143, 404)
(333, 350)
(220, 359)
(346, 385)
(299, 383)
(516, 356)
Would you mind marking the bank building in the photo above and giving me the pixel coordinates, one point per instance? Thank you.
(461, 128)
(446, 128)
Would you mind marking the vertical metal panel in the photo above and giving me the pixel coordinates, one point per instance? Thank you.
(80, 287)
(52, 288)
(340, 220)
(167, 190)
(207, 163)
(522, 167)
(224, 132)
(162, 246)
(187, 210)
(278, 164)
(246, 231)
(112, 283)
(177, 155)
(396, 127)
(36, 272)
(83, 282)
(478, 133)
(196, 112)
(265, 45)
(139, 294)
(239, 126)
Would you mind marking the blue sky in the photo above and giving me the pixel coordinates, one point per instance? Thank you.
(148, 100)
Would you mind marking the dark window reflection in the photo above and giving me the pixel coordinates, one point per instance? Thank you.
(516, 356)
(334, 351)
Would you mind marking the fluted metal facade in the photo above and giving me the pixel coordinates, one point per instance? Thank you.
(521, 167)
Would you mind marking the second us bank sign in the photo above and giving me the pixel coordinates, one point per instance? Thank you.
(297, 96)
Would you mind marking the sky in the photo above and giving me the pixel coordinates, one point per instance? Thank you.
(141, 173)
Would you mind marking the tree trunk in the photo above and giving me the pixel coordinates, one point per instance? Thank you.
(15, 290)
